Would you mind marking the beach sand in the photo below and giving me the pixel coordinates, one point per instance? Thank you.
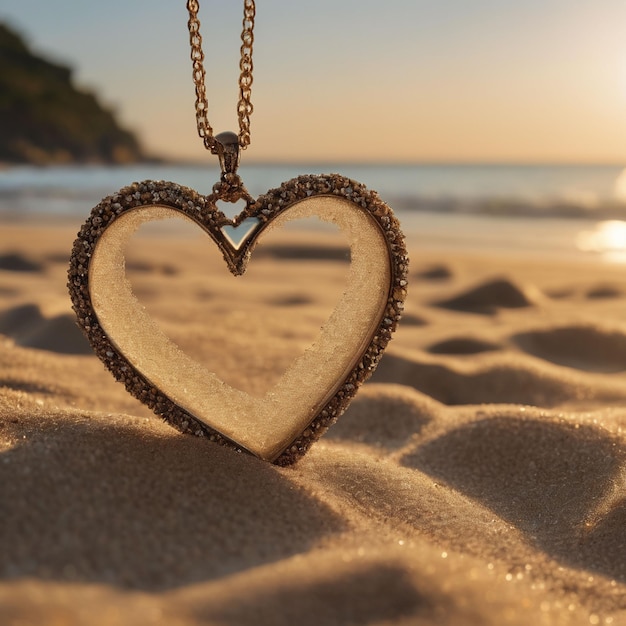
(478, 478)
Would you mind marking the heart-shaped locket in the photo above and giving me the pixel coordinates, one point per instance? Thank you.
(318, 386)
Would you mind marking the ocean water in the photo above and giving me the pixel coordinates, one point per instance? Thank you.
(543, 208)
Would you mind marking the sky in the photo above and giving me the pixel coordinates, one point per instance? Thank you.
(358, 80)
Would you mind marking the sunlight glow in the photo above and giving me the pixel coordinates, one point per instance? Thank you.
(608, 239)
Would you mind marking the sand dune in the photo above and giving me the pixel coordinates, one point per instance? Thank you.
(306, 252)
(434, 272)
(15, 262)
(462, 345)
(497, 378)
(27, 326)
(478, 478)
(508, 464)
(490, 296)
(582, 347)
(604, 291)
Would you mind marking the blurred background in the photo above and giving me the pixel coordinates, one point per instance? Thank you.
(486, 122)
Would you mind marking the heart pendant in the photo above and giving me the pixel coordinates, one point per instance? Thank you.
(318, 386)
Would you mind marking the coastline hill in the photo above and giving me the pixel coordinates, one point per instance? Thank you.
(45, 118)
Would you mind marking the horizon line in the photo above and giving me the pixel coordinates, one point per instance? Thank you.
(256, 162)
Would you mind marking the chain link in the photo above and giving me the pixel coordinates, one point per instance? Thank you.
(244, 106)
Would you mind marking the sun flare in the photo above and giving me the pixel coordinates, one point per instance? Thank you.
(608, 238)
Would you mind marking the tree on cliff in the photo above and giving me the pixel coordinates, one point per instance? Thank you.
(44, 118)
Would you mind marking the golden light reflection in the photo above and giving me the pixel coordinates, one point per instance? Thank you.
(608, 238)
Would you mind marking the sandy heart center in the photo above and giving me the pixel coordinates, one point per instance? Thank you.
(266, 425)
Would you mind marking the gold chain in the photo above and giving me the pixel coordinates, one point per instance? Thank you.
(244, 106)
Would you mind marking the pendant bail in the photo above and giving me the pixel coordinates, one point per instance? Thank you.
(228, 152)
